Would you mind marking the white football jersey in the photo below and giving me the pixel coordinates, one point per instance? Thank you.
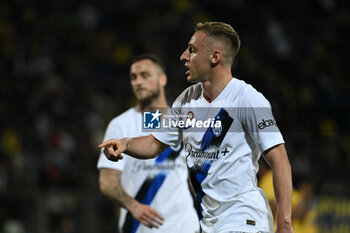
(160, 182)
(224, 158)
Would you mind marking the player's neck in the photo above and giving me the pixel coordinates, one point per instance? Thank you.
(213, 87)
(156, 103)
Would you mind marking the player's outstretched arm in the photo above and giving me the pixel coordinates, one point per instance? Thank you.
(145, 147)
(277, 158)
(110, 186)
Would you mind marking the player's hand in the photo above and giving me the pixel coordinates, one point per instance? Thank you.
(146, 215)
(113, 148)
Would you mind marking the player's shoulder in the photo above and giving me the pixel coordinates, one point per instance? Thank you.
(249, 96)
(193, 92)
(124, 117)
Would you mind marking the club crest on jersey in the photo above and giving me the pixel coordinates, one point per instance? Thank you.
(217, 130)
(190, 115)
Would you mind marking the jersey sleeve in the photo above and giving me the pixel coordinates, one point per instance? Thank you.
(171, 136)
(258, 121)
(113, 131)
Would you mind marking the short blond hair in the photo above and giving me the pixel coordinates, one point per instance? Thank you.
(223, 30)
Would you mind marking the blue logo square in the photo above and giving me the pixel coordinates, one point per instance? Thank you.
(151, 120)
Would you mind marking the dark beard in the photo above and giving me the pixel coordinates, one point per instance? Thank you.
(147, 101)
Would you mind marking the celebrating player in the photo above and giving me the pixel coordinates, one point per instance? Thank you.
(223, 160)
(153, 192)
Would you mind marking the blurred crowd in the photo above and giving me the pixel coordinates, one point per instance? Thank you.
(64, 75)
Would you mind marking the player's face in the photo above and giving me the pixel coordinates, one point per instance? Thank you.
(145, 80)
(197, 58)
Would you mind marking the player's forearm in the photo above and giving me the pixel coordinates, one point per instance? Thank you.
(145, 147)
(110, 186)
(120, 197)
(282, 179)
(282, 182)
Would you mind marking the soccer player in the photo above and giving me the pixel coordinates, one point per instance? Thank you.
(153, 192)
(223, 159)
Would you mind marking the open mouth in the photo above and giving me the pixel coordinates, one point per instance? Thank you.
(187, 70)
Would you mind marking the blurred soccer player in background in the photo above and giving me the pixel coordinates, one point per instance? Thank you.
(303, 202)
(225, 185)
(154, 193)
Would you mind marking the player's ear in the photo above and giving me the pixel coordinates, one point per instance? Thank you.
(163, 80)
(215, 57)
